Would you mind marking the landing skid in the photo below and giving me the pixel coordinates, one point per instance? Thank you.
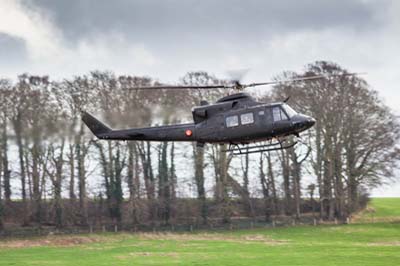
(279, 144)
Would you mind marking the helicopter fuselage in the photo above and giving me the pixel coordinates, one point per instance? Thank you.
(234, 119)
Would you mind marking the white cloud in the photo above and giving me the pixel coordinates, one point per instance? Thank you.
(113, 52)
(42, 40)
(49, 53)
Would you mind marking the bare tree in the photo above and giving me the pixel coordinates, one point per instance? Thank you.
(201, 97)
(56, 177)
(73, 96)
(40, 127)
(354, 129)
(5, 91)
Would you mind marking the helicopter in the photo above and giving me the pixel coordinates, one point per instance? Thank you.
(247, 126)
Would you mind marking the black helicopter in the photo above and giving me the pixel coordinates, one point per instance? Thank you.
(236, 119)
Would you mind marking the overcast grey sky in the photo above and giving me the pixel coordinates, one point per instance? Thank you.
(167, 38)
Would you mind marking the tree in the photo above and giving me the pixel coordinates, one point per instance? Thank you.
(73, 96)
(246, 193)
(56, 177)
(221, 165)
(265, 189)
(18, 113)
(5, 91)
(1, 210)
(311, 191)
(296, 168)
(201, 97)
(40, 125)
(354, 140)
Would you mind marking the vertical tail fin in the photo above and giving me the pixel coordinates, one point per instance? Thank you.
(97, 127)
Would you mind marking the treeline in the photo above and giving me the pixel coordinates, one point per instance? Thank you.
(53, 170)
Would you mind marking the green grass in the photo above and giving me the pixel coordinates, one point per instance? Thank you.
(380, 210)
(386, 207)
(364, 244)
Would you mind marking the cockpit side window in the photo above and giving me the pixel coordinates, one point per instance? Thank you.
(289, 110)
(278, 114)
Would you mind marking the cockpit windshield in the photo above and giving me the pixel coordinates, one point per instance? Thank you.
(290, 112)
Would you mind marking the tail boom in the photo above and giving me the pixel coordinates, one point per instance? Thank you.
(182, 132)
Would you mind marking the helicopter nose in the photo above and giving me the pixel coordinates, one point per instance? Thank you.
(303, 122)
(310, 122)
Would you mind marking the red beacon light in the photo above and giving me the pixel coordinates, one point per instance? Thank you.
(188, 132)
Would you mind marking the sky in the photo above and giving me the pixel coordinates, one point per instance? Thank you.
(167, 38)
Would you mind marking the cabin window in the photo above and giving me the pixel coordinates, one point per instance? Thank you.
(268, 114)
(278, 114)
(247, 118)
(232, 121)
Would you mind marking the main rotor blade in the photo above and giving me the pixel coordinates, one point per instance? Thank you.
(173, 87)
(299, 79)
(239, 86)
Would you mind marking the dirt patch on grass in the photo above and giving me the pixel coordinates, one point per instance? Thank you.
(246, 239)
(184, 239)
(347, 229)
(56, 241)
(148, 254)
(385, 244)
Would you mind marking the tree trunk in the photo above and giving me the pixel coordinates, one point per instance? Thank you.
(57, 185)
(272, 185)
(286, 182)
(328, 179)
(1, 198)
(164, 184)
(37, 198)
(352, 184)
(225, 201)
(81, 151)
(318, 168)
(1, 211)
(338, 187)
(71, 158)
(247, 198)
(296, 172)
(265, 190)
(198, 154)
(132, 184)
(117, 192)
(172, 173)
(6, 169)
(18, 134)
(145, 156)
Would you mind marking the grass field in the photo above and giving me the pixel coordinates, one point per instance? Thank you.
(386, 207)
(381, 210)
(356, 244)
